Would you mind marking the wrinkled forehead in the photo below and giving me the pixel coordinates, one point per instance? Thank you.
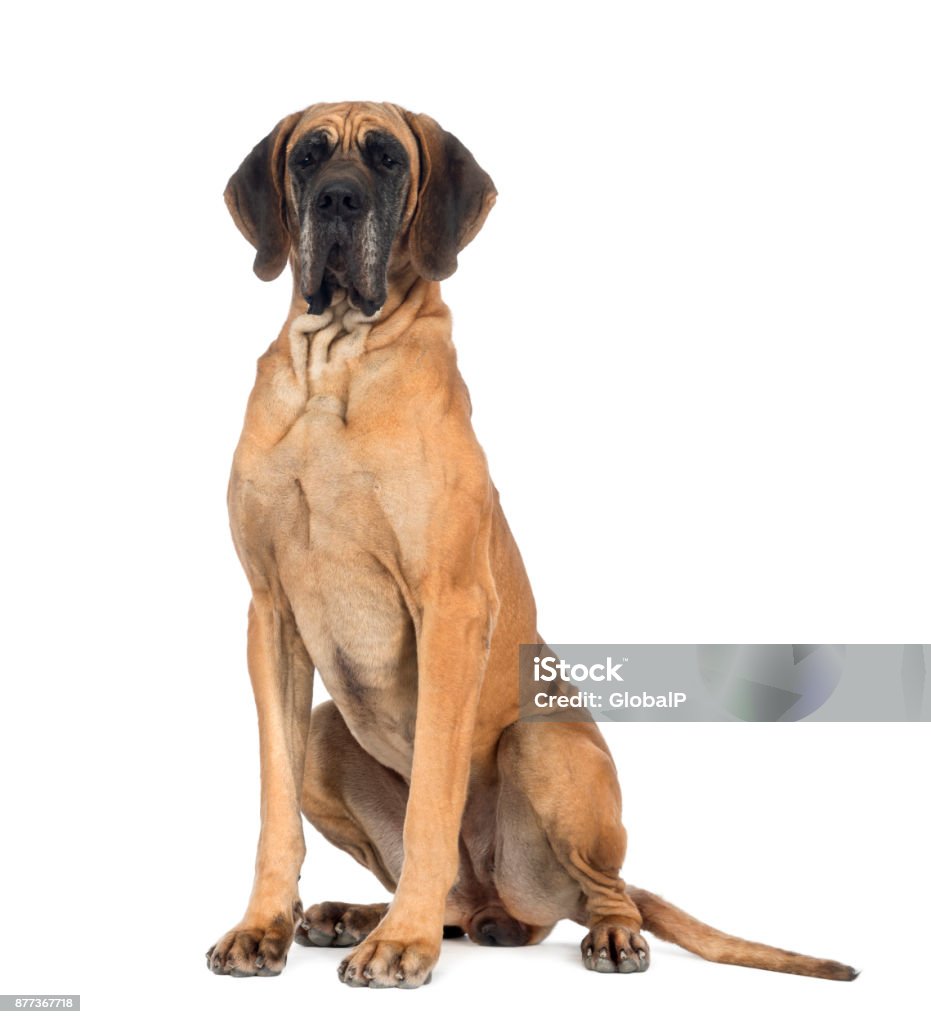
(347, 125)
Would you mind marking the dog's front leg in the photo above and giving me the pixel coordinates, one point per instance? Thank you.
(452, 654)
(282, 681)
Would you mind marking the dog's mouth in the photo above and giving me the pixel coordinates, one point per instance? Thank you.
(336, 263)
(337, 268)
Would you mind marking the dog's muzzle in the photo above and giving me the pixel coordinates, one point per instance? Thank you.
(338, 248)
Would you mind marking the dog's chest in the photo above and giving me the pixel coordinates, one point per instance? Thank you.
(312, 520)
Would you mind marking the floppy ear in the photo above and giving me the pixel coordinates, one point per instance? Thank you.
(453, 200)
(255, 198)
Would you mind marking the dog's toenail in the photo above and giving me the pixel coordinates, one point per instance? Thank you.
(602, 954)
(339, 927)
(399, 975)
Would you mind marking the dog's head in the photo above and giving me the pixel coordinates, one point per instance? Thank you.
(350, 192)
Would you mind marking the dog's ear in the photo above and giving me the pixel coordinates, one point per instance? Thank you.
(453, 200)
(255, 198)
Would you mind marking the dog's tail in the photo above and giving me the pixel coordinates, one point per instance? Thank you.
(674, 925)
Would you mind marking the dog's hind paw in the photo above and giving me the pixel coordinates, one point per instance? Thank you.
(338, 924)
(611, 948)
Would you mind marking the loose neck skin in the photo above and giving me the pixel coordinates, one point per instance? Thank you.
(409, 297)
(320, 355)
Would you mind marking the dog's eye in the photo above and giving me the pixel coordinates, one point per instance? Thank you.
(307, 160)
(383, 153)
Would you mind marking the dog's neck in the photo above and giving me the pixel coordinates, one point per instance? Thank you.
(409, 296)
(325, 341)
(324, 349)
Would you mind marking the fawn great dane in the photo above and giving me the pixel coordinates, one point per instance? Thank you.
(377, 552)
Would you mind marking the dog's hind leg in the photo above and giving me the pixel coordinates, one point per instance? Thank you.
(358, 805)
(560, 841)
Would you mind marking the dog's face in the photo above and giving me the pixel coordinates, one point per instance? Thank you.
(352, 192)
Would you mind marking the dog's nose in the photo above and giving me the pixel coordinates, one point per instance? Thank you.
(342, 200)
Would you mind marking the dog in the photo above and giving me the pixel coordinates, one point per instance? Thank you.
(377, 552)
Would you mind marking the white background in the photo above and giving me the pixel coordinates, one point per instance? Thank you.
(695, 330)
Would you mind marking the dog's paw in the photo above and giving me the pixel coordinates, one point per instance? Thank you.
(253, 951)
(388, 963)
(612, 948)
(338, 924)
